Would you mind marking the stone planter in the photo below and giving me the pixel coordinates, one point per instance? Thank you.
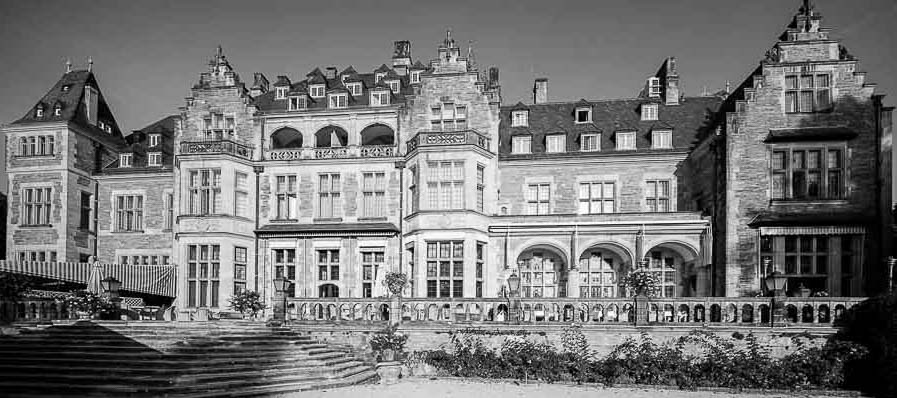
(389, 372)
(83, 315)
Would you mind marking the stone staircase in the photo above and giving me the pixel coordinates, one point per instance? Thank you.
(197, 359)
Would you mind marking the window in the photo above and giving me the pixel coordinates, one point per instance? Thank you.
(86, 207)
(373, 195)
(370, 264)
(203, 269)
(626, 141)
(538, 197)
(205, 191)
(445, 269)
(649, 111)
(380, 98)
(583, 115)
(241, 195)
(662, 139)
(316, 90)
(394, 85)
(39, 112)
(519, 119)
(664, 268)
(42, 256)
(37, 145)
(338, 100)
(168, 210)
(280, 92)
(415, 77)
(124, 160)
(521, 144)
(285, 267)
(354, 88)
(57, 110)
(597, 277)
(653, 87)
(555, 143)
(658, 195)
(481, 187)
(328, 194)
(413, 191)
(240, 257)
(328, 265)
(37, 206)
(286, 197)
(445, 185)
(799, 173)
(297, 103)
(540, 276)
(596, 197)
(129, 213)
(379, 76)
(448, 117)
(590, 142)
(809, 260)
(481, 261)
(806, 93)
(154, 159)
(154, 140)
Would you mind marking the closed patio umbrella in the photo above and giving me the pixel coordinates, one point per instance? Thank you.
(93, 281)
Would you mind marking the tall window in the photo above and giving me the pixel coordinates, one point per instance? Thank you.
(445, 269)
(328, 265)
(37, 206)
(202, 275)
(285, 267)
(626, 141)
(596, 197)
(168, 210)
(205, 191)
(590, 142)
(808, 93)
(373, 195)
(662, 139)
(816, 173)
(154, 158)
(481, 187)
(481, 261)
(519, 119)
(649, 111)
(328, 195)
(448, 117)
(807, 260)
(240, 257)
(415, 77)
(286, 197)
(540, 276)
(445, 184)
(241, 194)
(215, 124)
(538, 197)
(37, 146)
(413, 190)
(658, 195)
(129, 213)
(664, 268)
(596, 276)
(555, 143)
(125, 160)
(85, 211)
(154, 140)
(521, 144)
(370, 262)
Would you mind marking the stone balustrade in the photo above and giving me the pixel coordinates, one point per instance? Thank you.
(37, 309)
(221, 146)
(686, 310)
(442, 138)
(353, 151)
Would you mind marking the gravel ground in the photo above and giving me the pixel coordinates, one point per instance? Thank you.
(478, 389)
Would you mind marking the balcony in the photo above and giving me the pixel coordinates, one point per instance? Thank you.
(347, 152)
(221, 146)
(444, 138)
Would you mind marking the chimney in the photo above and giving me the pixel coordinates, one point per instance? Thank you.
(540, 91)
(671, 89)
(331, 72)
(493, 76)
(401, 57)
(259, 84)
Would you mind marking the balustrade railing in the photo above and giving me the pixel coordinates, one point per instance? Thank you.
(40, 309)
(441, 138)
(367, 151)
(743, 311)
(217, 147)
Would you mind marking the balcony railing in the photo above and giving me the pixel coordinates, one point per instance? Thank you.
(367, 151)
(463, 137)
(728, 311)
(227, 147)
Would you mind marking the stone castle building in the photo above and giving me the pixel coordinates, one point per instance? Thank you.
(333, 178)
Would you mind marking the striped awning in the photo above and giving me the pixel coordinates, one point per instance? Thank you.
(159, 280)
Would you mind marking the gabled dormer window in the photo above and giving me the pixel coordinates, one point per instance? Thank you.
(519, 118)
(39, 111)
(590, 142)
(380, 98)
(57, 110)
(154, 159)
(343, 78)
(654, 87)
(415, 77)
(297, 103)
(583, 114)
(124, 160)
(280, 92)
(316, 90)
(521, 144)
(154, 140)
(626, 141)
(555, 143)
(649, 112)
(661, 139)
(394, 85)
(379, 76)
(354, 88)
(340, 100)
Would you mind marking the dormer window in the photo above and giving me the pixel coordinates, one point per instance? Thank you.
(590, 142)
(379, 76)
(124, 160)
(521, 144)
(380, 98)
(338, 100)
(39, 111)
(107, 128)
(555, 143)
(661, 139)
(415, 77)
(316, 90)
(280, 93)
(57, 110)
(66, 88)
(649, 111)
(626, 141)
(354, 88)
(154, 159)
(654, 87)
(583, 115)
(154, 140)
(394, 85)
(343, 78)
(297, 103)
(519, 119)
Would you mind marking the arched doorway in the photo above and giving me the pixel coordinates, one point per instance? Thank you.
(286, 138)
(543, 272)
(328, 290)
(675, 264)
(600, 268)
(377, 134)
(331, 137)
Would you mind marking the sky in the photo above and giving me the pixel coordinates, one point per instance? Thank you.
(147, 54)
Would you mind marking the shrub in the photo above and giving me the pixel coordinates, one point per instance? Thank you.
(13, 287)
(873, 325)
(247, 301)
(89, 302)
(388, 339)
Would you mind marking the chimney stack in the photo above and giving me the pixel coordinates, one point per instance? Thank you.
(331, 72)
(401, 57)
(671, 92)
(540, 91)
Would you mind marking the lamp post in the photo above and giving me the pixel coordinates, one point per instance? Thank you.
(775, 282)
(892, 263)
(281, 285)
(111, 288)
(514, 287)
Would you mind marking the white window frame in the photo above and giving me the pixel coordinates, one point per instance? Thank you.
(354, 88)
(650, 111)
(521, 144)
(329, 192)
(128, 212)
(654, 87)
(379, 76)
(125, 160)
(658, 200)
(373, 194)
(661, 139)
(204, 197)
(280, 93)
(37, 205)
(519, 119)
(538, 198)
(377, 98)
(154, 159)
(624, 138)
(555, 143)
(154, 140)
(415, 77)
(595, 137)
(316, 91)
(295, 103)
(445, 185)
(39, 112)
(241, 194)
(394, 85)
(285, 198)
(337, 100)
(579, 109)
(595, 196)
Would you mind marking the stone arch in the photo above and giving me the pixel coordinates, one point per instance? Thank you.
(682, 258)
(286, 137)
(601, 265)
(378, 134)
(543, 271)
(331, 136)
(328, 290)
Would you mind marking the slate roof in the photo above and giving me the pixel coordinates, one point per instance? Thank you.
(336, 228)
(773, 218)
(138, 145)
(811, 134)
(608, 118)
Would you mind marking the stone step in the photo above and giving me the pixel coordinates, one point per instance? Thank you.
(118, 357)
(164, 363)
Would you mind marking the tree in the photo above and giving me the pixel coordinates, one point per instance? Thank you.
(247, 301)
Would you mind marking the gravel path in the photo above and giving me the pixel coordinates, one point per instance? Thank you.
(478, 389)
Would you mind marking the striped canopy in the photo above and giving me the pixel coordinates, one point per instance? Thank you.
(159, 280)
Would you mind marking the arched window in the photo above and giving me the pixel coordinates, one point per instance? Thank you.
(377, 134)
(330, 137)
(543, 272)
(328, 290)
(286, 138)
(674, 264)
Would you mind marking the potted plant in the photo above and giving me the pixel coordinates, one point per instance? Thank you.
(395, 282)
(247, 302)
(642, 282)
(387, 344)
(87, 304)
